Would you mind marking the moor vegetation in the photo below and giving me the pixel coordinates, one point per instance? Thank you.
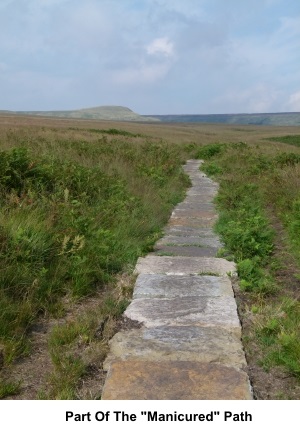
(81, 201)
(259, 222)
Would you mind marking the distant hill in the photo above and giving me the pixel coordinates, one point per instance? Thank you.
(114, 113)
(120, 113)
(289, 118)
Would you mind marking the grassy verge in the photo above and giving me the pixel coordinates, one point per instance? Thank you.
(289, 139)
(78, 207)
(259, 224)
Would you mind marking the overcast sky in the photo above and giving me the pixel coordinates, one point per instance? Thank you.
(153, 56)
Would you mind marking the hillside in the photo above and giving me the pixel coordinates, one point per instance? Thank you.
(113, 113)
(120, 113)
(288, 118)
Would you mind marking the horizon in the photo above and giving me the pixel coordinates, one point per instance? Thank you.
(153, 114)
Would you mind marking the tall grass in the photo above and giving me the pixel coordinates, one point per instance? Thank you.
(255, 183)
(75, 211)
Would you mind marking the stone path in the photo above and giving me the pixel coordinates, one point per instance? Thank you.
(187, 345)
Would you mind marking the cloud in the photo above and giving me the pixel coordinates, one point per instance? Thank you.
(257, 98)
(186, 56)
(293, 103)
(161, 46)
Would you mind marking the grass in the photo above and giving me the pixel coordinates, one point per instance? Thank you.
(75, 212)
(255, 183)
(81, 201)
(8, 388)
(293, 139)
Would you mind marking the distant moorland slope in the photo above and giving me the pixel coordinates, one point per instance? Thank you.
(288, 118)
(113, 113)
(120, 113)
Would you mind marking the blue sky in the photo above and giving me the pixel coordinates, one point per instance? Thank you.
(153, 56)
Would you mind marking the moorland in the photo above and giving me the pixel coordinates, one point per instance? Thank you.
(81, 200)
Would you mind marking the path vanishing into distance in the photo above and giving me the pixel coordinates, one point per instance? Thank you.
(185, 340)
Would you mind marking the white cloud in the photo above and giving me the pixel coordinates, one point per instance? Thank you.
(161, 46)
(293, 103)
(257, 98)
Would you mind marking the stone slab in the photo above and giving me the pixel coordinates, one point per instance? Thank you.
(180, 311)
(194, 213)
(190, 231)
(168, 286)
(204, 184)
(210, 241)
(179, 380)
(192, 164)
(206, 195)
(192, 222)
(198, 181)
(185, 251)
(193, 171)
(152, 264)
(188, 347)
(199, 344)
(199, 199)
(195, 205)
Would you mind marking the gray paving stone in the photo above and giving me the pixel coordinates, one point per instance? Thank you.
(203, 194)
(194, 213)
(189, 231)
(188, 346)
(185, 251)
(187, 343)
(199, 199)
(209, 241)
(152, 264)
(171, 286)
(193, 222)
(183, 311)
(203, 182)
(175, 380)
(195, 205)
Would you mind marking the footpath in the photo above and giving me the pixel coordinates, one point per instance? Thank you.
(185, 343)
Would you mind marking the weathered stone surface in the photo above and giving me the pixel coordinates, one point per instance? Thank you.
(168, 286)
(196, 311)
(194, 213)
(187, 343)
(152, 264)
(203, 182)
(189, 231)
(195, 205)
(193, 222)
(209, 241)
(187, 251)
(199, 199)
(183, 380)
(204, 195)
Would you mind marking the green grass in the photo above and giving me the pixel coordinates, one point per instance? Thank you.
(253, 182)
(75, 213)
(80, 205)
(289, 139)
(280, 335)
(110, 131)
(8, 388)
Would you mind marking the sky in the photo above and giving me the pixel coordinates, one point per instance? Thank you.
(152, 56)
